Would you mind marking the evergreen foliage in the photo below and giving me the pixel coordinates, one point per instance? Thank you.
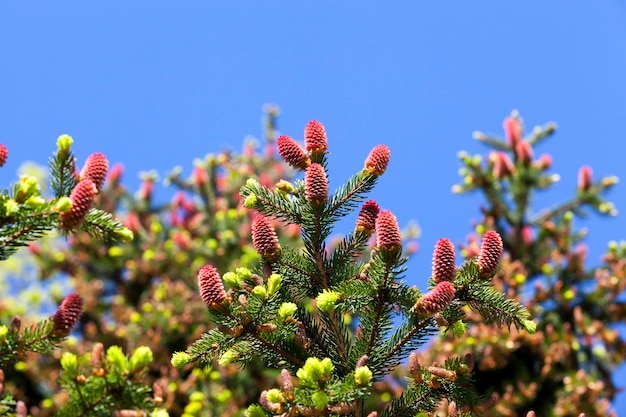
(342, 322)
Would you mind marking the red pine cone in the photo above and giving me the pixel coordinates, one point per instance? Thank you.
(82, 197)
(315, 140)
(366, 221)
(436, 299)
(95, 169)
(387, 230)
(490, 254)
(264, 238)
(67, 315)
(584, 178)
(4, 155)
(316, 184)
(211, 286)
(444, 268)
(292, 152)
(377, 160)
(512, 130)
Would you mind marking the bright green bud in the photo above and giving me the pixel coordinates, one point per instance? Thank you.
(227, 357)
(273, 284)
(320, 399)
(274, 396)
(243, 273)
(124, 234)
(255, 410)
(141, 357)
(287, 310)
(196, 396)
(250, 201)
(193, 408)
(159, 412)
(260, 292)
(459, 328)
(180, 359)
(362, 375)
(232, 280)
(69, 362)
(63, 205)
(35, 201)
(27, 187)
(64, 142)
(529, 325)
(4, 330)
(251, 182)
(326, 300)
(11, 207)
(115, 355)
(315, 371)
(286, 187)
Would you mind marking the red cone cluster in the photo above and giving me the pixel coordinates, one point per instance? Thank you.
(444, 268)
(366, 220)
(377, 160)
(315, 140)
(211, 286)
(4, 154)
(95, 169)
(316, 184)
(82, 197)
(67, 315)
(490, 254)
(292, 152)
(436, 299)
(387, 230)
(264, 238)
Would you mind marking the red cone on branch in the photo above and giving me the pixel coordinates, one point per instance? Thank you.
(436, 299)
(366, 220)
(316, 184)
(292, 152)
(377, 160)
(82, 197)
(387, 231)
(264, 238)
(67, 315)
(95, 169)
(444, 268)
(490, 254)
(211, 286)
(315, 140)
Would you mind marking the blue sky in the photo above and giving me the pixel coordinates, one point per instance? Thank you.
(157, 84)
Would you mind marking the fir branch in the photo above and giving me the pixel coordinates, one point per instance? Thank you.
(407, 338)
(419, 397)
(271, 204)
(493, 142)
(62, 173)
(493, 304)
(347, 198)
(102, 225)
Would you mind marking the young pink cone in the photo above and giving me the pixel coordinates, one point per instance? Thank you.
(524, 152)
(584, 178)
(377, 160)
(387, 231)
(67, 315)
(366, 220)
(315, 140)
(264, 238)
(316, 184)
(490, 254)
(444, 268)
(211, 286)
(82, 197)
(95, 169)
(292, 152)
(4, 155)
(436, 299)
(512, 131)
(502, 165)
